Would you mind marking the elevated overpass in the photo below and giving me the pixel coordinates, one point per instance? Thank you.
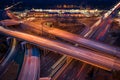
(94, 58)
(103, 21)
(98, 27)
(80, 54)
(31, 65)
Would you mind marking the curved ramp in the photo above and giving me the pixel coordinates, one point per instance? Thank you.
(8, 58)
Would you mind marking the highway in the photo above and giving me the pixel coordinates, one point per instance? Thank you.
(9, 13)
(9, 57)
(9, 22)
(11, 53)
(99, 35)
(11, 16)
(91, 44)
(31, 65)
(81, 70)
(94, 58)
(72, 70)
(102, 34)
(68, 36)
(94, 45)
(106, 17)
(84, 68)
(47, 62)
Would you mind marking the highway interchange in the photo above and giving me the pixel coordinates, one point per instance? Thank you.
(95, 53)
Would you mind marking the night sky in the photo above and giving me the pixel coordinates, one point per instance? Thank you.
(100, 4)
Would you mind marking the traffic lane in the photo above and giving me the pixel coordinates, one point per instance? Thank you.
(30, 69)
(102, 34)
(31, 66)
(109, 13)
(49, 59)
(47, 64)
(65, 73)
(71, 71)
(102, 28)
(94, 58)
(10, 55)
(85, 31)
(9, 22)
(94, 45)
(11, 15)
(103, 19)
(34, 71)
(45, 78)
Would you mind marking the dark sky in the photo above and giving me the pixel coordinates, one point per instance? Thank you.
(101, 4)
